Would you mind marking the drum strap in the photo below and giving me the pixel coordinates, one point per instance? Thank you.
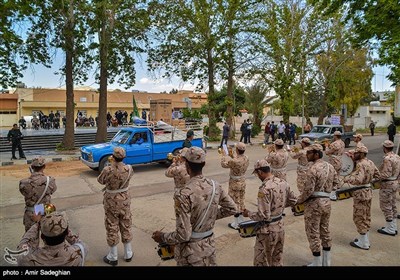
(393, 178)
(354, 188)
(236, 177)
(41, 197)
(273, 220)
(121, 190)
(320, 195)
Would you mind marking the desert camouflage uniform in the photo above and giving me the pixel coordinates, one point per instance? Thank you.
(273, 196)
(68, 253)
(178, 171)
(363, 174)
(335, 152)
(321, 177)
(278, 160)
(390, 168)
(117, 206)
(32, 189)
(190, 207)
(237, 181)
(302, 167)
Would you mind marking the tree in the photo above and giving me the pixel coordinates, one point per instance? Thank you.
(113, 20)
(375, 22)
(255, 101)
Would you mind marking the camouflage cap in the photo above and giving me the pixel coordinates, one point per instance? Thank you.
(241, 146)
(190, 133)
(306, 140)
(195, 155)
(315, 147)
(38, 162)
(53, 224)
(337, 133)
(361, 149)
(260, 163)
(183, 151)
(279, 142)
(119, 152)
(359, 136)
(388, 144)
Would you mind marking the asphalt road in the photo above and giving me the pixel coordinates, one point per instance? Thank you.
(80, 196)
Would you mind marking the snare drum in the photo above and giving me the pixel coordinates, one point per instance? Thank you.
(343, 195)
(298, 209)
(247, 228)
(166, 251)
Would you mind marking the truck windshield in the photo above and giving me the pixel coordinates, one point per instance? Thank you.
(320, 129)
(121, 137)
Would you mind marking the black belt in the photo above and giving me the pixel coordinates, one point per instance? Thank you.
(262, 223)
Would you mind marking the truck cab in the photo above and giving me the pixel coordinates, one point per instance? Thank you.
(321, 133)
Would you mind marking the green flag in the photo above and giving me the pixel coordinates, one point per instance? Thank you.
(135, 108)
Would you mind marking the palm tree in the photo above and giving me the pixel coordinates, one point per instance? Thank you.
(255, 101)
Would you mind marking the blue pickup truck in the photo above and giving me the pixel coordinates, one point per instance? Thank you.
(154, 146)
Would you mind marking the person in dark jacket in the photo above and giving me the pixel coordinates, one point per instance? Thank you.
(14, 137)
(225, 134)
(391, 131)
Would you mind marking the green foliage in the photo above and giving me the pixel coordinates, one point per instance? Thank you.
(61, 147)
(255, 130)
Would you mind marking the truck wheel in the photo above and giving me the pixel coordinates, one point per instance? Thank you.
(347, 142)
(103, 163)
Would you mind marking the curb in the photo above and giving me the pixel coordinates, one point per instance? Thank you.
(29, 161)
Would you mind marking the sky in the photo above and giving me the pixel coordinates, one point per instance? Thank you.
(39, 76)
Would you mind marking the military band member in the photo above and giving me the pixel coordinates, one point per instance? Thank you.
(178, 171)
(357, 139)
(361, 177)
(117, 206)
(61, 247)
(390, 172)
(37, 189)
(335, 151)
(237, 182)
(321, 179)
(200, 203)
(274, 195)
(302, 162)
(278, 159)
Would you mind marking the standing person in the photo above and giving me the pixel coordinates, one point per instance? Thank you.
(61, 246)
(199, 204)
(249, 128)
(278, 158)
(307, 128)
(36, 189)
(225, 134)
(272, 130)
(281, 131)
(390, 172)
(360, 179)
(14, 137)
(335, 151)
(266, 133)
(178, 171)
(357, 139)
(292, 133)
(321, 179)
(273, 196)
(391, 131)
(237, 181)
(372, 127)
(117, 206)
(22, 122)
(188, 141)
(243, 130)
(302, 162)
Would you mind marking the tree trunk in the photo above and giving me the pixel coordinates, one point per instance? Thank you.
(212, 120)
(68, 141)
(323, 108)
(230, 98)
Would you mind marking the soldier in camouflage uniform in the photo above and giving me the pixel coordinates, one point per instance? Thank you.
(302, 162)
(273, 196)
(117, 206)
(335, 151)
(321, 179)
(278, 159)
(36, 189)
(390, 180)
(61, 247)
(199, 204)
(357, 139)
(177, 170)
(237, 181)
(361, 178)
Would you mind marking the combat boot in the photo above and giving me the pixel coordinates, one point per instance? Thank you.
(317, 261)
(362, 242)
(128, 254)
(112, 257)
(240, 218)
(394, 223)
(389, 229)
(326, 258)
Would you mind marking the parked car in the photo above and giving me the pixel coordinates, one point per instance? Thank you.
(324, 132)
(157, 143)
